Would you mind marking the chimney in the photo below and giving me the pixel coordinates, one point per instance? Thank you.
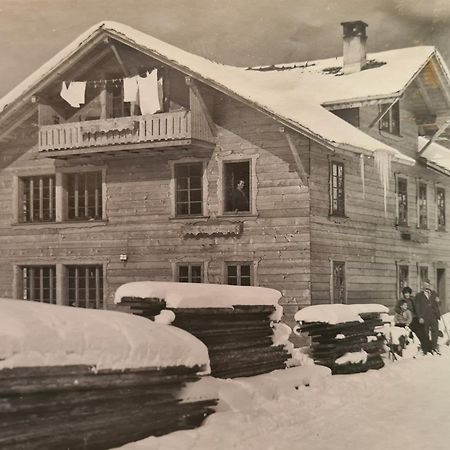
(354, 46)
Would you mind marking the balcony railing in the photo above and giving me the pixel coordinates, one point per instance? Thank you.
(161, 127)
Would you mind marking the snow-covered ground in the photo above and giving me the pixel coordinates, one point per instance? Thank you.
(405, 405)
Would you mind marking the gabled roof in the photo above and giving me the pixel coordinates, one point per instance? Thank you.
(295, 96)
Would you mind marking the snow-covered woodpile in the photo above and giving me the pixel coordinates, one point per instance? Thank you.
(89, 379)
(343, 337)
(237, 324)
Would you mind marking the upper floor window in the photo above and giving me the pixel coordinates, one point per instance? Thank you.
(337, 192)
(403, 278)
(85, 286)
(422, 206)
(39, 283)
(189, 189)
(84, 196)
(339, 294)
(440, 208)
(237, 186)
(190, 273)
(37, 199)
(390, 122)
(402, 201)
(240, 274)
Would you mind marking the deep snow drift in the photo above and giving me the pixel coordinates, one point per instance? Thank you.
(404, 406)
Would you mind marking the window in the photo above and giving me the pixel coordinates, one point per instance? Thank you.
(338, 282)
(189, 189)
(423, 275)
(422, 207)
(403, 278)
(240, 274)
(190, 273)
(85, 286)
(390, 122)
(39, 283)
(402, 201)
(440, 208)
(337, 192)
(84, 196)
(237, 186)
(38, 199)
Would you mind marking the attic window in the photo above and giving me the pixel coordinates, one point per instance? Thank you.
(390, 122)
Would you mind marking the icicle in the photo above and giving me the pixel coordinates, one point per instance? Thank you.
(383, 160)
(363, 179)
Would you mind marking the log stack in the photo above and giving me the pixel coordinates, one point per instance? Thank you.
(239, 336)
(348, 343)
(72, 378)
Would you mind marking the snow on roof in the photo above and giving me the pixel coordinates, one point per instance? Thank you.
(338, 313)
(435, 153)
(198, 295)
(294, 96)
(36, 334)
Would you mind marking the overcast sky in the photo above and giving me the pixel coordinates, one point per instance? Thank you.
(239, 32)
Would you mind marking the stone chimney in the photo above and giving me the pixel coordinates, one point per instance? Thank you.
(354, 46)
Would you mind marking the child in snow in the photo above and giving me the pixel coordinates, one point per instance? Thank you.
(404, 317)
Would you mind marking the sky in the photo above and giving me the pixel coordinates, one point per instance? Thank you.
(237, 32)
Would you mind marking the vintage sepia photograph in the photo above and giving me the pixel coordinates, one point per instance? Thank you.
(224, 225)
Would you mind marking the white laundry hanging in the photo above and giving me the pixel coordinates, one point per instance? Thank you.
(130, 89)
(149, 100)
(74, 93)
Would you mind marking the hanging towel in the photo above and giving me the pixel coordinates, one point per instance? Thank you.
(148, 93)
(74, 93)
(130, 89)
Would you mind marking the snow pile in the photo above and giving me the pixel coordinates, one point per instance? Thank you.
(199, 295)
(332, 314)
(36, 334)
(165, 316)
(340, 336)
(366, 308)
(281, 334)
(400, 340)
(244, 394)
(352, 358)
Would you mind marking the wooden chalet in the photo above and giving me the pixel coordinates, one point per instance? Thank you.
(341, 200)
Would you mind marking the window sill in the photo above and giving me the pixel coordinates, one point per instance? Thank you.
(388, 134)
(241, 215)
(338, 219)
(66, 224)
(189, 218)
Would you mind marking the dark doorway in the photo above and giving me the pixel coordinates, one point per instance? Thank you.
(440, 286)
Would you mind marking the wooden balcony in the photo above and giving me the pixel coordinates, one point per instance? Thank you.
(172, 129)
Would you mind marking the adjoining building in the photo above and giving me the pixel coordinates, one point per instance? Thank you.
(124, 158)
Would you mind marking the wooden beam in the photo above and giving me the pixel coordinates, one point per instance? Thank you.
(119, 59)
(423, 91)
(442, 80)
(193, 87)
(383, 113)
(304, 177)
(440, 130)
(16, 123)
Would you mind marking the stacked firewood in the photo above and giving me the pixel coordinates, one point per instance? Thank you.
(239, 339)
(76, 408)
(346, 347)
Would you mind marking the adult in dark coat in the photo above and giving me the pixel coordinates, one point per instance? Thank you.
(239, 198)
(426, 307)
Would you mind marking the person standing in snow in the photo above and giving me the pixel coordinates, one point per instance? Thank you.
(426, 307)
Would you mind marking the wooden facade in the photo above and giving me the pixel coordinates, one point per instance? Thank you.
(287, 239)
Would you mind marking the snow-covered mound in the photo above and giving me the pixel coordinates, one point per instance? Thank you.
(198, 295)
(36, 334)
(334, 314)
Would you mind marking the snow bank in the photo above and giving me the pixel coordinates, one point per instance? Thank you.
(243, 394)
(36, 334)
(352, 358)
(198, 295)
(364, 308)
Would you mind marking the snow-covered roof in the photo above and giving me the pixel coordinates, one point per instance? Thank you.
(435, 153)
(338, 313)
(198, 295)
(295, 96)
(36, 334)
